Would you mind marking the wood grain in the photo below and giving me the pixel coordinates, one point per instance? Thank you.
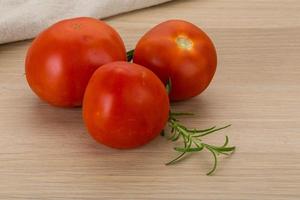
(46, 153)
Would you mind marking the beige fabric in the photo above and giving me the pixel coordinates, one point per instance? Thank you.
(24, 19)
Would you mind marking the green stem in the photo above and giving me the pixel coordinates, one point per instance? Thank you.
(130, 55)
(192, 141)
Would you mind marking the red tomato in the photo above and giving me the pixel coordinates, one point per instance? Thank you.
(125, 105)
(62, 58)
(180, 51)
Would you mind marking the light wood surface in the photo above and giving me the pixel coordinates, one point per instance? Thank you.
(46, 153)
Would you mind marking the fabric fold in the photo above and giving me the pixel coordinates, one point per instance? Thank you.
(24, 19)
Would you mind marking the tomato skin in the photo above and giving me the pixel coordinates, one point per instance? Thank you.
(180, 51)
(62, 58)
(125, 105)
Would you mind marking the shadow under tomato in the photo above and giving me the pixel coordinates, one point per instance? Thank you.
(50, 116)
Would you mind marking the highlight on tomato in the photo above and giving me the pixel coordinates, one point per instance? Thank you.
(125, 105)
(63, 57)
(179, 51)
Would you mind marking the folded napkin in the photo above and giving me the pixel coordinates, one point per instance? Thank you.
(24, 19)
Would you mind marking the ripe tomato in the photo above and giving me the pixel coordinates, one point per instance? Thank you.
(125, 105)
(62, 58)
(180, 51)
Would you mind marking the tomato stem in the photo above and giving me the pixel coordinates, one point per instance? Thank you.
(130, 55)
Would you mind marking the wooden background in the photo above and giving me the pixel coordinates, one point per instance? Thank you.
(46, 153)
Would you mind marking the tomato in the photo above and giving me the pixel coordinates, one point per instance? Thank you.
(180, 51)
(125, 105)
(62, 58)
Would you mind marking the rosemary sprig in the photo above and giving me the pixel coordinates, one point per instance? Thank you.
(192, 138)
(192, 141)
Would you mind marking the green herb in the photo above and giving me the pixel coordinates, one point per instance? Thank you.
(193, 142)
(192, 138)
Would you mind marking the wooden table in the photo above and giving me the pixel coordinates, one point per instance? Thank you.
(46, 153)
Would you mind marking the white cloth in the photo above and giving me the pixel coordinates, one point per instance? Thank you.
(24, 19)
